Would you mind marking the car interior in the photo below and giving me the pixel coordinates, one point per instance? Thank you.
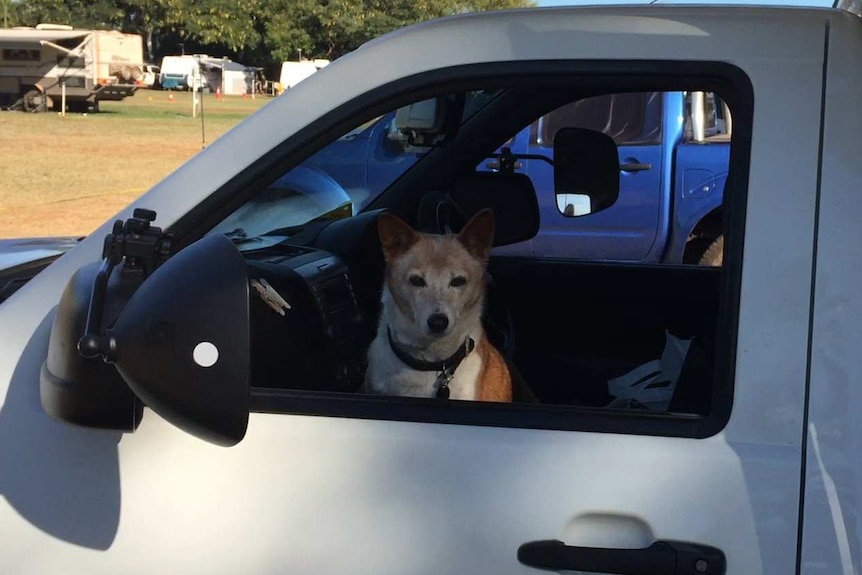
(565, 327)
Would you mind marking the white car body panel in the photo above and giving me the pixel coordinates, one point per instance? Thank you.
(832, 532)
(323, 495)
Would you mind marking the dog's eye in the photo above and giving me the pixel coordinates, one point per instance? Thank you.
(417, 281)
(458, 281)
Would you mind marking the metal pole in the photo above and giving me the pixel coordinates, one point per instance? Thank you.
(203, 135)
(195, 74)
(63, 97)
(697, 116)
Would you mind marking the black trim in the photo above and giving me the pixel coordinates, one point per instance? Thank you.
(458, 412)
(14, 278)
(803, 468)
(599, 76)
(741, 104)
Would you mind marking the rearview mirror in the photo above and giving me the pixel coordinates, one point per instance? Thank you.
(586, 171)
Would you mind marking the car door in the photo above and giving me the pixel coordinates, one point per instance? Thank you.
(325, 483)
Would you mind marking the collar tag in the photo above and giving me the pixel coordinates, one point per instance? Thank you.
(442, 384)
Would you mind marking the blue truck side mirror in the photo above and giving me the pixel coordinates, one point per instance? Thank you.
(422, 123)
(586, 171)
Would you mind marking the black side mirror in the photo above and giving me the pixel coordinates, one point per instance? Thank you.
(144, 326)
(586, 171)
(182, 342)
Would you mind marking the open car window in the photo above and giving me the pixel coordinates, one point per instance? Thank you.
(507, 151)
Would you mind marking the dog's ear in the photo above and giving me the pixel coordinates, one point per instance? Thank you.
(477, 236)
(396, 236)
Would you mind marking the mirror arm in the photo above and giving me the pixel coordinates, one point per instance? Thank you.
(144, 247)
(508, 160)
(91, 343)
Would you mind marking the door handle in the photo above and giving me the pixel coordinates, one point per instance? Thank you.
(660, 558)
(635, 167)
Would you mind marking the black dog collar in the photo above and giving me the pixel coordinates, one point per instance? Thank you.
(446, 367)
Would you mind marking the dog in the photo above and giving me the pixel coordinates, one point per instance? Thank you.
(430, 341)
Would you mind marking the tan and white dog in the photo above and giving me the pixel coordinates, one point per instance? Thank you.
(430, 341)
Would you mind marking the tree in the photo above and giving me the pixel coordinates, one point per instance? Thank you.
(225, 23)
(152, 19)
(77, 13)
(330, 28)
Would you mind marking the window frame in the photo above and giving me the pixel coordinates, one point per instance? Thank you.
(19, 55)
(735, 88)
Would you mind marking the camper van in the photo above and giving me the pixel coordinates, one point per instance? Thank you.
(182, 72)
(42, 66)
(294, 72)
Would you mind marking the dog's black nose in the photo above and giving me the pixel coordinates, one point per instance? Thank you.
(438, 322)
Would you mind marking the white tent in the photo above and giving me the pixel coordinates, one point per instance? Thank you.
(233, 78)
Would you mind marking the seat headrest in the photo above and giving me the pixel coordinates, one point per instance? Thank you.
(511, 197)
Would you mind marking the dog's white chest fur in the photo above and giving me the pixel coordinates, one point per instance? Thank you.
(387, 375)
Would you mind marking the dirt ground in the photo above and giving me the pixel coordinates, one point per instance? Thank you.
(67, 175)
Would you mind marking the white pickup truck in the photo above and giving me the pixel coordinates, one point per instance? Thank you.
(159, 416)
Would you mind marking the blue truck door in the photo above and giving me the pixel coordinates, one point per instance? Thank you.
(629, 229)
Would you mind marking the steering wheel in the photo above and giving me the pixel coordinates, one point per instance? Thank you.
(451, 219)
(439, 214)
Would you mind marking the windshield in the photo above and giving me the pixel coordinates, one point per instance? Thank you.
(342, 178)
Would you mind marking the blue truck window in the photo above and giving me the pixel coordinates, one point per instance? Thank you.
(707, 118)
(629, 118)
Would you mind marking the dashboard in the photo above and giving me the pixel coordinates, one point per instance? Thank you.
(318, 343)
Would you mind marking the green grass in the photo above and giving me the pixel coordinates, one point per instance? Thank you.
(156, 105)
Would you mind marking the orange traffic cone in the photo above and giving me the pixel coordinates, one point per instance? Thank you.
(170, 97)
(218, 93)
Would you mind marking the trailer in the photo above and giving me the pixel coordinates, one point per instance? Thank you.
(293, 72)
(59, 67)
(183, 73)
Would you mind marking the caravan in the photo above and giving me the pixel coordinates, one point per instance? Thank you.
(182, 73)
(294, 72)
(40, 66)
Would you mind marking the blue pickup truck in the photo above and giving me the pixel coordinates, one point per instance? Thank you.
(674, 149)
